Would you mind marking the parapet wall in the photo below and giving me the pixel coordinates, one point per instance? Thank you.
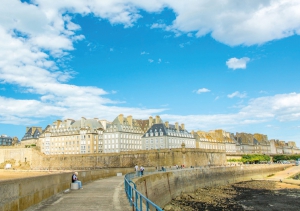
(162, 187)
(19, 194)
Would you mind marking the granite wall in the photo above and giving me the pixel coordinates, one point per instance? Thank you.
(19, 194)
(162, 187)
(28, 158)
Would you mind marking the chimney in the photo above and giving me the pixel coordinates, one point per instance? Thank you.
(167, 124)
(176, 125)
(182, 126)
(157, 120)
(129, 119)
(58, 123)
(82, 122)
(150, 121)
(120, 117)
(103, 122)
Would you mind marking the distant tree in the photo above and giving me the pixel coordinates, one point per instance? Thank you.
(255, 158)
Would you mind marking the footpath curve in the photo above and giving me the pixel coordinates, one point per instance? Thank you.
(102, 194)
(283, 176)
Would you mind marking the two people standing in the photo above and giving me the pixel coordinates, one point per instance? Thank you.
(137, 170)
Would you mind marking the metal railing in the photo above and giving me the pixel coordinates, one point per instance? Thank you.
(136, 199)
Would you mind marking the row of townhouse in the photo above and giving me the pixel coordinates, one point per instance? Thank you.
(282, 147)
(128, 134)
(122, 134)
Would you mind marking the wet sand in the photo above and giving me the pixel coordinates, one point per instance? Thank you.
(251, 195)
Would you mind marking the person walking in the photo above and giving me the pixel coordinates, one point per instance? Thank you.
(136, 169)
(142, 170)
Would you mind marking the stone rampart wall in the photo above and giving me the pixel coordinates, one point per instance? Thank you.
(19, 194)
(150, 158)
(162, 187)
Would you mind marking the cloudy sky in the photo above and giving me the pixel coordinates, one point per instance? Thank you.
(232, 65)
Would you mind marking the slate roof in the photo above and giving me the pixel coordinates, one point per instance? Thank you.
(32, 133)
(92, 124)
(161, 127)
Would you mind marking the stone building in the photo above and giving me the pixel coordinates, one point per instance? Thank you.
(73, 137)
(225, 139)
(215, 140)
(166, 136)
(31, 136)
(204, 140)
(124, 134)
(252, 144)
(6, 140)
(282, 147)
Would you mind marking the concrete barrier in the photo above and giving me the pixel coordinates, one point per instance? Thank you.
(20, 194)
(162, 187)
(74, 186)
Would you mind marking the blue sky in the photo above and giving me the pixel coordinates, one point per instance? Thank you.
(228, 65)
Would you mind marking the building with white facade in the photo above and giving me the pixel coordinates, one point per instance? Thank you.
(123, 134)
(73, 137)
(167, 136)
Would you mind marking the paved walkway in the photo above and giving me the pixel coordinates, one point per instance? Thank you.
(284, 175)
(103, 194)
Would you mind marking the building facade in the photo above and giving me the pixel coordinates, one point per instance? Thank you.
(167, 136)
(252, 144)
(124, 134)
(282, 147)
(226, 140)
(6, 140)
(73, 137)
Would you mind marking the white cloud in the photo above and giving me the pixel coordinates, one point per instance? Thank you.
(27, 49)
(232, 23)
(144, 53)
(283, 107)
(182, 45)
(235, 63)
(150, 60)
(255, 22)
(202, 90)
(158, 26)
(263, 92)
(237, 94)
(159, 61)
(25, 61)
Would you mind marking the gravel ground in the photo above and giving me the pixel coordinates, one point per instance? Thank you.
(258, 195)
